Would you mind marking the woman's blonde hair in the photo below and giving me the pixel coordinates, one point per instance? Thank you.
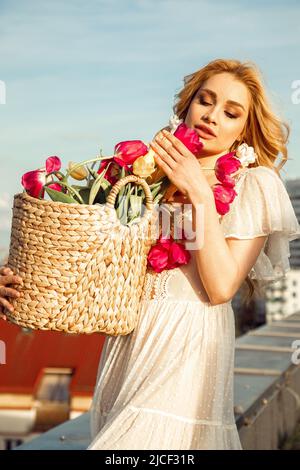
(263, 130)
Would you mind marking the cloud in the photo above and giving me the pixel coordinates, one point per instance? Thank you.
(78, 70)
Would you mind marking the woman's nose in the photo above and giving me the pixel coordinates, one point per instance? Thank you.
(211, 116)
(209, 119)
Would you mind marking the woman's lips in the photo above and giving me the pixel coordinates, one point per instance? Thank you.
(204, 134)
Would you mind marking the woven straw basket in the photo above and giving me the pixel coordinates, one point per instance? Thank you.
(83, 270)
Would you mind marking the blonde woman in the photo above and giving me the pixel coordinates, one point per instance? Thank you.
(169, 384)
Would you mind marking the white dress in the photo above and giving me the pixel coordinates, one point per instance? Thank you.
(169, 384)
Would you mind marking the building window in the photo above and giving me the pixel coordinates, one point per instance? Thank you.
(54, 385)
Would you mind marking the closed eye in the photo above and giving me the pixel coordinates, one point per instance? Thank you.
(231, 116)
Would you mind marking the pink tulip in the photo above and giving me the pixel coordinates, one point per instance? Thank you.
(224, 195)
(158, 257)
(189, 138)
(166, 241)
(34, 181)
(225, 166)
(178, 255)
(56, 187)
(128, 151)
(167, 254)
(53, 164)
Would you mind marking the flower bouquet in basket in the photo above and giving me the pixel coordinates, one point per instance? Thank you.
(81, 249)
(83, 252)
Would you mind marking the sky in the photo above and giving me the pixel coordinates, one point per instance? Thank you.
(80, 76)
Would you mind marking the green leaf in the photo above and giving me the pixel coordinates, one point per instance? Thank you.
(106, 184)
(59, 196)
(123, 202)
(85, 194)
(71, 191)
(158, 198)
(96, 185)
(155, 191)
(77, 186)
(135, 206)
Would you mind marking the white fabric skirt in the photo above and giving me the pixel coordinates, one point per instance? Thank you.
(168, 384)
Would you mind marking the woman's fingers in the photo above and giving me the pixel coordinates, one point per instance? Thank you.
(4, 270)
(11, 279)
(2, 316)
(7, 277)
(5, 303)
(9, 292)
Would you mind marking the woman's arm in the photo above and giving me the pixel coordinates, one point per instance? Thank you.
(223, 264)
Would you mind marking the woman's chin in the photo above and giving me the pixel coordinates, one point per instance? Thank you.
(206, 150)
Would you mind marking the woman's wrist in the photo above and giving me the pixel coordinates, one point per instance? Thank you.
(201, 195)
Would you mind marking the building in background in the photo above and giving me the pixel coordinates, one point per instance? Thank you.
(283, 297)
(46, 378)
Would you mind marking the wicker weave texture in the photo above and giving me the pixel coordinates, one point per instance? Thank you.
(83, 270)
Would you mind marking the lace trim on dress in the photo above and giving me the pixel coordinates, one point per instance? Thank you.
(156, 285)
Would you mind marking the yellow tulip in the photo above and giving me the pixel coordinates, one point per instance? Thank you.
(79, 173)
(144, 166)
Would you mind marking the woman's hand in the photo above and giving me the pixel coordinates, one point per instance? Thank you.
(179, 164)
(7, 277)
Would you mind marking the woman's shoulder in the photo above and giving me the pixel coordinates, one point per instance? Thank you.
(262, 170)
(260, 176)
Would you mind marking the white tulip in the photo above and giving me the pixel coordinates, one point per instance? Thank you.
(174, 122)
(246, 154)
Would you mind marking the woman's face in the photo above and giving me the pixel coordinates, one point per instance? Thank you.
(213, 106)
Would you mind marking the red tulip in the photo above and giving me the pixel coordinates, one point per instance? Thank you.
(225, 166)
(112, 173)
(128, 151)
(189, 138)
(178, 255)
(53, 164)
(34, 181)
(224, 195)
(166, 242)
(158, 257)
(56, 187)
(167, 254)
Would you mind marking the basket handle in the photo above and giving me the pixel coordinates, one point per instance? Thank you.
(111, 198)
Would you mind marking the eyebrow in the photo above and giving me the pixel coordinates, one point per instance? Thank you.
(214, 96)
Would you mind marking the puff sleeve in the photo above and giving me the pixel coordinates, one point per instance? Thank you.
(263, 207)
